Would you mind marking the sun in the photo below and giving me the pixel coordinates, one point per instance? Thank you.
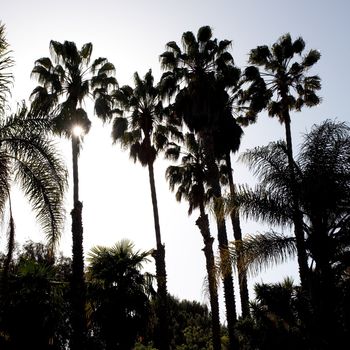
(78, 130)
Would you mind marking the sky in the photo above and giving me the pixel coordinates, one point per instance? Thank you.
(132, 34)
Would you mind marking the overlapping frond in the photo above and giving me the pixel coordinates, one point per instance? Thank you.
(30, 159)
(263, 251)
(264, 205)
(277, 80)
(66, 80)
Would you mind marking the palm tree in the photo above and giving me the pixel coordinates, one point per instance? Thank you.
(190, 178)
(227, 140)
(276, 318)
(322, 177)
(144, 134)
(199, 76)
(280, 87)
(65, 83)
(6, 62)
(29, 159)
(119, 294)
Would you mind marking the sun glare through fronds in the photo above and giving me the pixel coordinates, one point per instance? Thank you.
(78, 130)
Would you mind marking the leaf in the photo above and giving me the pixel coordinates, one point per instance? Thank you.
(119, 127)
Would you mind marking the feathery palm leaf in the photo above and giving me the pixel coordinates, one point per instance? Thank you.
(6, 62)
(264, 251)
(30, 159)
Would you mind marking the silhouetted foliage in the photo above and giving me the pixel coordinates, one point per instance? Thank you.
(118, 294)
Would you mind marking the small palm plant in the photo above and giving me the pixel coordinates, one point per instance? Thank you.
(118, 293)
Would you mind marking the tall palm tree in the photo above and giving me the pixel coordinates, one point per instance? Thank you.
(190, 179)
(199, 77)
(141, 130)
(282, 86)
(65, 83)
(119, 294)
(29, 159)
(227, 139)
(6, 62)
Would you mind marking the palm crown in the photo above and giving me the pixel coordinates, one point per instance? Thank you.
(322, 170)
(65, 82)
(190, 176)
(142, 131)
(200, 75)
(282, 82)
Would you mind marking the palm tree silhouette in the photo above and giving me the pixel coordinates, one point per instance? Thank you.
(189, 178)
(199, 77)
(65, 83)
(322, 177)
(29, 158)
(227, 139)
(280, 87)
(143, 132)
(118, 293)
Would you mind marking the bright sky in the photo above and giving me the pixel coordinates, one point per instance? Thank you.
(132, 34)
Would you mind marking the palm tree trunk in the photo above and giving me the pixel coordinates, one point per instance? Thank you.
(78, 291)
(159, 256)
(213, 174)
(75, 152)
(9, 255)
(203, 224)
(297, 214)
(237, 233)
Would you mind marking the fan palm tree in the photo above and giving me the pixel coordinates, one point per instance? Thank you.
(227, 140)
(119, 294)
(189, 178)
(29, 159)
(142, 131)
(282, 86)
(276, 318)
(199, 76)
(65, 83)
(6, 62)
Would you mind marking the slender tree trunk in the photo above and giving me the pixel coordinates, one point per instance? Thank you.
(203, 224)
(297, 214)
(237, 232)
(10, 248)
(159, 256)
(78, 291)
(230, 303)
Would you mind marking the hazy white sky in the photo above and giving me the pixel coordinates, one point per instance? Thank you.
(115, 192)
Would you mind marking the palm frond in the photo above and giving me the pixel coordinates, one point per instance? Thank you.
(264, 205)
(263, 251)
(6, 63)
